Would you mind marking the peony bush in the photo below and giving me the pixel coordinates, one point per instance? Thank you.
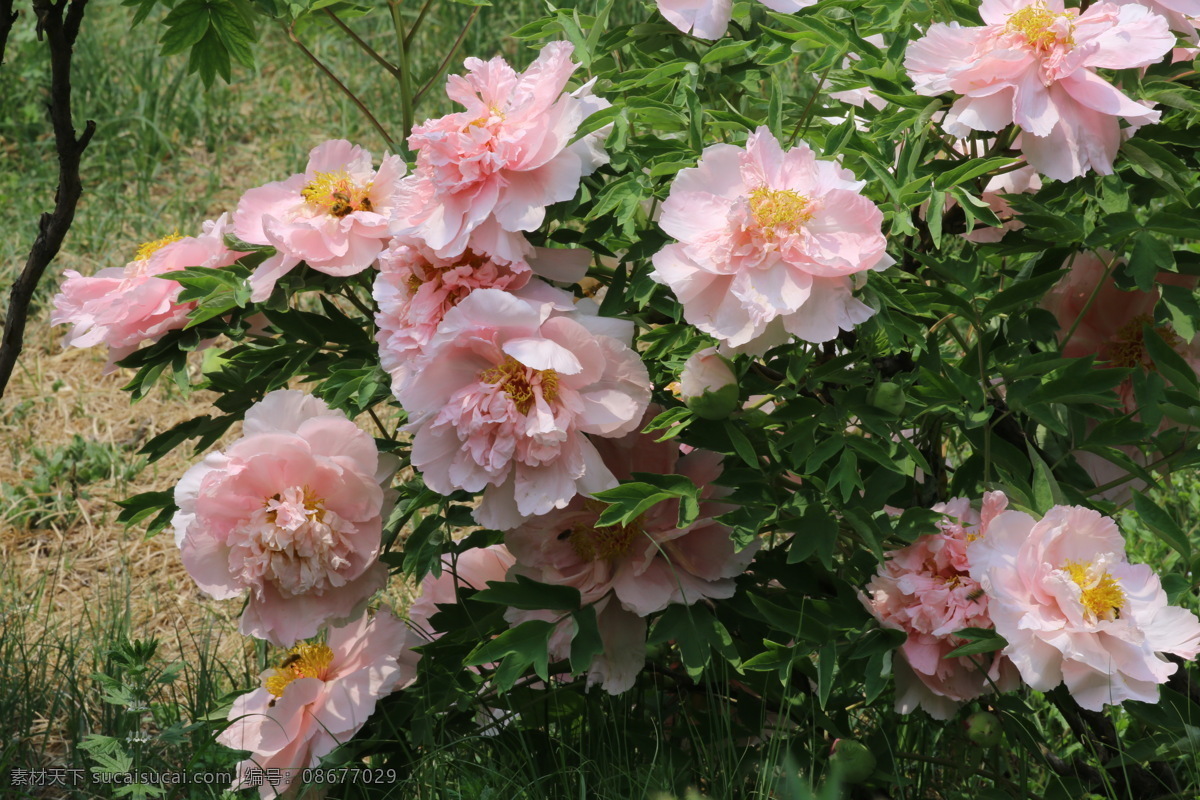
(787, 375)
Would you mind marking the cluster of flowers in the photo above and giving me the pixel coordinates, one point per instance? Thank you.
(1061, 592)
(516, 390)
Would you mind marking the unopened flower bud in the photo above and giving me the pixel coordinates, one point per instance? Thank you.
(708, 386)
(854, 760)
(983, 728)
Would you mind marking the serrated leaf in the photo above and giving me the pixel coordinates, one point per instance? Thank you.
(979, 640)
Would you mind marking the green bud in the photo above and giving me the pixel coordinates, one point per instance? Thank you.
(852, 758)
(983, 728)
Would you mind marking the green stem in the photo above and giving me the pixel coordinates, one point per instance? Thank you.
(337, 82)
(802, 123)
(366, 48)
(405, 75)
(412, 32)
(1108, 270)
(446, 61)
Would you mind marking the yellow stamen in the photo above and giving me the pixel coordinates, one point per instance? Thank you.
(518, 382)
(1129, 347)
(337, 194)
(779, 208)
(302, 661)
(1102, 595)
(1034, 23)
(604, 544)
(147, 249)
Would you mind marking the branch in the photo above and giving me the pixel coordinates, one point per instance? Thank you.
(437, 73)
(8, 18)
(291, 32)
(58, 30)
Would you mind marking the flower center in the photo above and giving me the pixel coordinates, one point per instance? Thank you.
(779, 208)
(302, 661)
(1041, 27)
(521, 383)
(336, 194)
(604, 544)
(1129, 343)
(147, 249)
(294, 542)
(1101, 594)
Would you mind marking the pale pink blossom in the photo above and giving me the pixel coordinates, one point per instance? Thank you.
(1182, 15)
(707, 384)
(485, 175)
(292, 513)
(631, 571)
(1111, 328)
(925, 591)
(334, 216)
(124, 307)
(709, 19)
(317, 701)
(1033, 63)
(769, 244)
(1075, 611)
(506, 398)
(414, 290)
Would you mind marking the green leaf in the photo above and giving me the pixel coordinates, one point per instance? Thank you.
(587, 642)
(519, 647)
(726, 51)
(236, 33)
(1169, 363)
(1149, 255)
(971, 169)
(1020, 294)
(979, 640)
(1163, 524)
(1181, 302)
(826, 668)
(1046, 491)
(186, 25)
(528, 594)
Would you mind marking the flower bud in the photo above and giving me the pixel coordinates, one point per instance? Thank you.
(983, 728)
(853, 759)
(708, 386)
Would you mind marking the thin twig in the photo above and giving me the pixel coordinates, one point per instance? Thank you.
(412, 32)
(345, 89)
(449, 56)
(366, 48)
(58, 30)
(802, 123)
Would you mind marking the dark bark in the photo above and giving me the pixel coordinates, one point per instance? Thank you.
(57, 26)
(7, 18)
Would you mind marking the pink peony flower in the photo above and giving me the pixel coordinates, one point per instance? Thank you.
(414, 290)
(1182, 15)
(768, 244)
(505, 399)
(925, 590)
(708, 386)
(631, 571)
(333, 216)
(127, 306)
(709, 19)
(1112, 327)
(1033, 64)
(292, 512)
(317, 699)
(1075, 611)
(486, 174)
